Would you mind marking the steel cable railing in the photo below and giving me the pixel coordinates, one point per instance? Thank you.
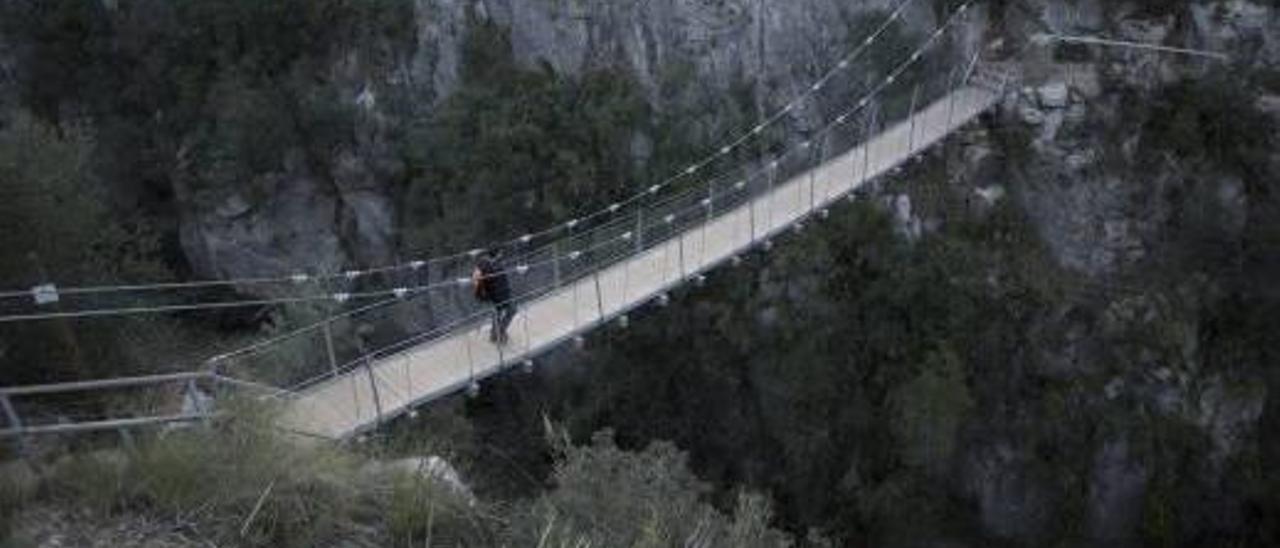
(436, 303)
(565, 260)
(679, 216)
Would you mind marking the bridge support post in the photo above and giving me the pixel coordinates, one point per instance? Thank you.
(951, 120)
(528, 340)
(15, 422)
(866, 148)
(328, 344)
(822, 160)
(127, 441)
(639, 229)
(768, 197)
(680, 241)
(599, 297)
(471, 362)
(911, 137)
(577, 307)
(711, 200)
(373, 386)
(813, 176)
(710, 207)
(555, 262)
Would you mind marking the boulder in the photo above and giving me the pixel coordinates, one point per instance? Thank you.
(431, 468)
(234, 206)
(293, 229)
(1054, 95)
(1114, 388)
(990, 194)
(1031, 115)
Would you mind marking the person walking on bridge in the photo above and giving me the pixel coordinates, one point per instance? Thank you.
(492, 286)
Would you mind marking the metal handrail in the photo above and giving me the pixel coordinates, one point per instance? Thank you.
(81, 386)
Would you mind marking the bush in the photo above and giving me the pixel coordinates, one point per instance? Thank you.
(238, 476)
(422, 511)
(516, 148)
(929, 410)
(56, 225)
(18, 486)
(605, 496)
(97, 481)
(1213, 120)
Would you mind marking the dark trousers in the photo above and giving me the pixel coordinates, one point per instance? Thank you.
(503, 313)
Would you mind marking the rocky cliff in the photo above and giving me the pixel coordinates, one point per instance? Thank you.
(1145, 177)
(684, 55)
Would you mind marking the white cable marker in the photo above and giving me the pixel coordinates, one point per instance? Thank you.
(45, 294)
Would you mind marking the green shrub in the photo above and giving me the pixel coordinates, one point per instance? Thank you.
(423, 511)
(238, 476)
(1214, 120)
(99, 481)
(18, 486)
(605, 496)
(271, 489)
(929, 410)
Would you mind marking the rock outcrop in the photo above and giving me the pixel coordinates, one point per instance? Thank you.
(681, 53)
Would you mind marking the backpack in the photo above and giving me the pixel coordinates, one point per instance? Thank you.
(480, 283)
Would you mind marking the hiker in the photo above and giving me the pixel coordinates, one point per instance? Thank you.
(492, 286)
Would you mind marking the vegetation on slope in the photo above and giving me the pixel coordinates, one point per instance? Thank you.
(849, 378)
(237, 481)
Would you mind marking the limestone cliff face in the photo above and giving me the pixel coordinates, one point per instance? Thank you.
(1082, 126)
(1095, 220)
(683, 53)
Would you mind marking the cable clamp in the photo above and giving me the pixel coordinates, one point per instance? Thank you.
(45, 294)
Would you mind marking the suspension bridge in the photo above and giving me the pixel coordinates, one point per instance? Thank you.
(592, 271)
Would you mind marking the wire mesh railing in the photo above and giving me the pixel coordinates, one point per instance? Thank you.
(670, 227)
(441, 303)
